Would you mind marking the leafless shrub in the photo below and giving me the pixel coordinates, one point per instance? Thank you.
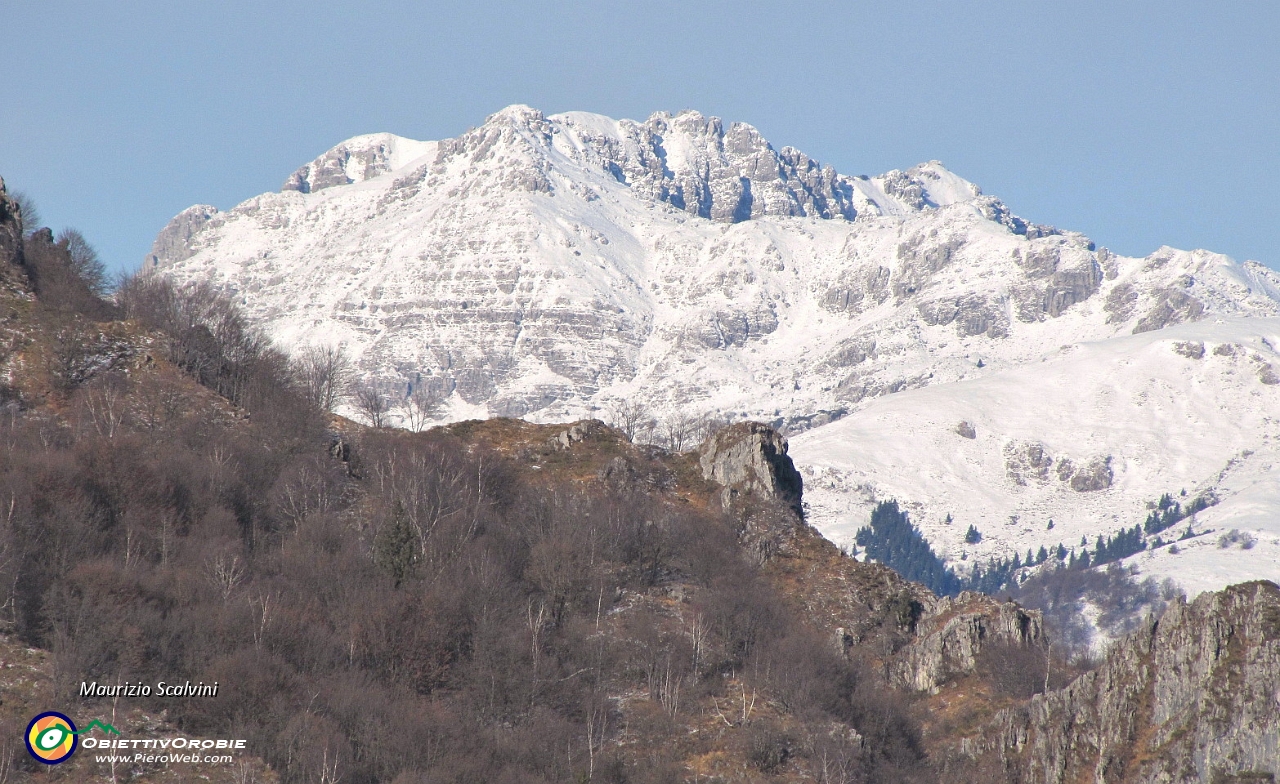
(66, 273)
(208, 337)
(766, 747)
(1015, 670)
(1245, 540)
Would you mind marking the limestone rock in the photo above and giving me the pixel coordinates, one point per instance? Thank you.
(1190, 349)
(10, 230)
(1097, 475)
(1191, 697)
(751, 458)
(1172, 306)
(173, 243)
(953, 633)
(577, 432)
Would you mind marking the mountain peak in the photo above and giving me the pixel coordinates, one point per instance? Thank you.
(357, 159)
(726, 172)
(516, 114)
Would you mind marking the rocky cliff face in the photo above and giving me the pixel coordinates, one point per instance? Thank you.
(356, 160)
(751, 458)
(10, 230)
(173, 243)
(955, 630)
(728, 173)
(1192, 697)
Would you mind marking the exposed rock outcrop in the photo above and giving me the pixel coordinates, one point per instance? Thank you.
(355, 160)
(751, 458)
(726, 172)
(579, 431)
(10, 230)
(1172, 306)
(1192, 697)
(1027, 462)
(173, 243)
(953, 633)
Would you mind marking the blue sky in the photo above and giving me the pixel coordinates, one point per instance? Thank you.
(1137, 123)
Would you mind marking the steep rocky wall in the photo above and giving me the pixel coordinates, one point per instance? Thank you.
(10, 230)
(751, 457)
(1192, 697)
(955, 630)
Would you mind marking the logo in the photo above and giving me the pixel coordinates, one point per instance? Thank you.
(52, 737)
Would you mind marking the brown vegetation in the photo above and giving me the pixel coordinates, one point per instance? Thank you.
(490, 601)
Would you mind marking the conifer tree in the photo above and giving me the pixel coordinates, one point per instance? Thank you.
(395, 549)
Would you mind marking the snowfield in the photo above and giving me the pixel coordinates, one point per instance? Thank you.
(1191, 408)
(556, 267)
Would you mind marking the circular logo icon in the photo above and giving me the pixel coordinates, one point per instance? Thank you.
(51, 738)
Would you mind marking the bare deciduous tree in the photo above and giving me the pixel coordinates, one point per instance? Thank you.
(325, 372)
(226, 572)
(373, 404)
(632, 418)
(680, 431)
(419, 408)
(85, 262)
(27, 209)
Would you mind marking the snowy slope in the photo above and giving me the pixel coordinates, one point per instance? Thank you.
(1194, 407)
(550, 266)
(553, 267)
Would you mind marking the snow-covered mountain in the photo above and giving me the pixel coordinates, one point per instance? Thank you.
(553, 267)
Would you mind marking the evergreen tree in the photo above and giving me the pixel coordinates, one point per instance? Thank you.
(972, 536)
(892, 540)
(395, 548)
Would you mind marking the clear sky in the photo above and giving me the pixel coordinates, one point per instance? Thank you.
(1138, 123)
